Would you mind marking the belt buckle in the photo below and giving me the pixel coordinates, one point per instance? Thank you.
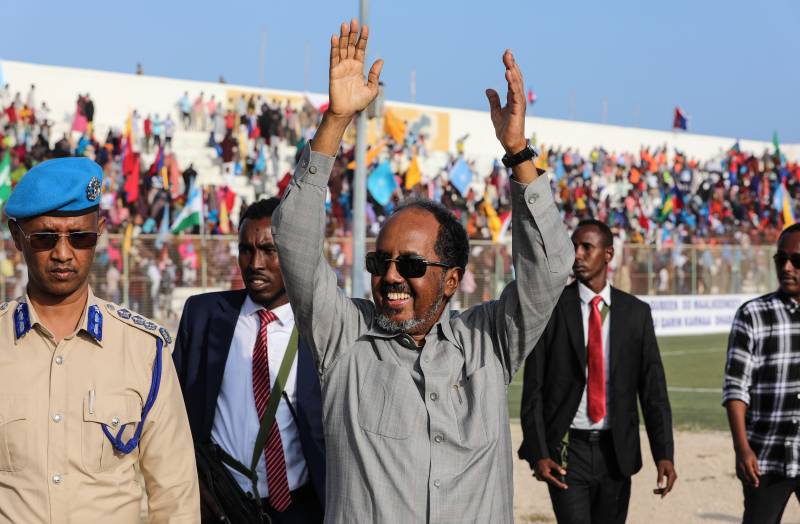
(594, 435)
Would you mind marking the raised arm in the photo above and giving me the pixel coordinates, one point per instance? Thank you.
(327, 319)
(542, 250)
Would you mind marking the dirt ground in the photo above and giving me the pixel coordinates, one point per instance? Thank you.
(707, 490)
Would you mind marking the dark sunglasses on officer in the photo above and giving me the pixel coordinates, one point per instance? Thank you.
(47, 240)
(409, 266)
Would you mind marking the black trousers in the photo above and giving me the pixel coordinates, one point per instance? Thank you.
(765, 504)
(597, 492)
(304, 509)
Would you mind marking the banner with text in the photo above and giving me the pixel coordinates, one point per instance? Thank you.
(693, 314)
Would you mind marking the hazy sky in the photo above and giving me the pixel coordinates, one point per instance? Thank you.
(733, 66)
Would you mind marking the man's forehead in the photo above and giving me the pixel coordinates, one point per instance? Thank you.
(256, 227)
(790, 242)
(587, 234)
(59, 222)
(410, 230)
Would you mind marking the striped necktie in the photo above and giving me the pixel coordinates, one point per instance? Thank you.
(277, 483)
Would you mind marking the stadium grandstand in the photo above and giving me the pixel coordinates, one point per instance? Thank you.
(694, 217)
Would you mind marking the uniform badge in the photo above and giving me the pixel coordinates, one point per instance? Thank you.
(93, 189)
(95, 326)
(165, 335)
(139, 321)
(22, 320)
(124, 313)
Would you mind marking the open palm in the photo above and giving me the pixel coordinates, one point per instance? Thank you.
(509, 120)
(349, 91)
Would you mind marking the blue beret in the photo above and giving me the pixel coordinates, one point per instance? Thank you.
(58, 187)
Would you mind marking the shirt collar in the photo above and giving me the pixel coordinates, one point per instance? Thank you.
(284, 313)
(587, 294)
(91, 321)
(788, 302)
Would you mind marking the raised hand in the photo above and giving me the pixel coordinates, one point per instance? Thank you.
(509, 120)
(349, 92)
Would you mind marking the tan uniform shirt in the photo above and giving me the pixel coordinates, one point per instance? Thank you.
(56, 463)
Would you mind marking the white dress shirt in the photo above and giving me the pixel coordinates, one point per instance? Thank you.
(236, 421)
(582, 420)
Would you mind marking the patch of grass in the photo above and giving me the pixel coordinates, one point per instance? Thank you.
(689, 362)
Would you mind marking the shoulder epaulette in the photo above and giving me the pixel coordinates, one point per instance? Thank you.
(131, 318)
(5, 307)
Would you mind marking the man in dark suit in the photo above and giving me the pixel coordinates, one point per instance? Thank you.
(229, 349)
(579, 419)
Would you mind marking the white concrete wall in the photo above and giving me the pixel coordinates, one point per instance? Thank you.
(115, 94)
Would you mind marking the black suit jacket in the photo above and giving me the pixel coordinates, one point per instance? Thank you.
(555, 377)
(201, 351)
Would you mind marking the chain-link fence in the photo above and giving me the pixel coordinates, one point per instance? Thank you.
(155, 278)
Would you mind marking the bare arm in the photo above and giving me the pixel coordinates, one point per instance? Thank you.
(746, 460)
(739, 370)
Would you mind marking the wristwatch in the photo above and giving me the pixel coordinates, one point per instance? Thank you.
(529, 153)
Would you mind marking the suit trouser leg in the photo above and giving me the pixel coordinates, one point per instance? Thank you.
(596, 492)
(574, 504)
(304, 509)
(766, 503)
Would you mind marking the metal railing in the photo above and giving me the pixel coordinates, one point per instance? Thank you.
(155, 279)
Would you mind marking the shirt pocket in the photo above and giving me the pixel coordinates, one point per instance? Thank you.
(477, 407)
(389, 403)
(14, 434)
(116, 412)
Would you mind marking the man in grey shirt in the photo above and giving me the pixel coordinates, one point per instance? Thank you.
(414, 395)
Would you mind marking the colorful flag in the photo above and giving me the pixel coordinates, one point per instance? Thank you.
(680, 120)
(788, 210)
(413, 175)
(192, 213)
(372, 154)
(127, 240)
(492, 220)
(531, 97)
(5, 179)
(132, 183)
(666, 208)
(394, 126)
(505, 218)
(224, 221)
(461, 176)
(381, 183)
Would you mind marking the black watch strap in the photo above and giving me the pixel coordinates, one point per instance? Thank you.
(528, 153)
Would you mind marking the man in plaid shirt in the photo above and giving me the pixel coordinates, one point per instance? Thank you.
(762, 390)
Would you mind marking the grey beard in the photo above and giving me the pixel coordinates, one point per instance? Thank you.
(406, 326)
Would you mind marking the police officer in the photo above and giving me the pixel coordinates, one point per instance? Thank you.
(87, 388)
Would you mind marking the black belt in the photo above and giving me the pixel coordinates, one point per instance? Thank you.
(589, 435)
(301, 494)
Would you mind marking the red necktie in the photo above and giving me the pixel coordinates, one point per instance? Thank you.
(596, 381)
(278, 484)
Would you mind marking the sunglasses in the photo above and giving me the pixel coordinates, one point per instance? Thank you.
(45, 241)
(409, 266)
(781, 258)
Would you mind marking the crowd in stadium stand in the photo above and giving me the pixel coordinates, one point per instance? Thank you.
(651, 195)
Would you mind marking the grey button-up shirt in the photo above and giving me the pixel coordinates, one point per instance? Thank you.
(418, 435)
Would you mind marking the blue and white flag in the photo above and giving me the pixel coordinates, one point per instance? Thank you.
(382, 183)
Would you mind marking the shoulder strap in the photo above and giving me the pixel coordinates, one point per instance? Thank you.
(269, 415)
(275, 398)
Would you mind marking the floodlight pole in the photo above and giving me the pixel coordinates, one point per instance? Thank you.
(359, 235)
